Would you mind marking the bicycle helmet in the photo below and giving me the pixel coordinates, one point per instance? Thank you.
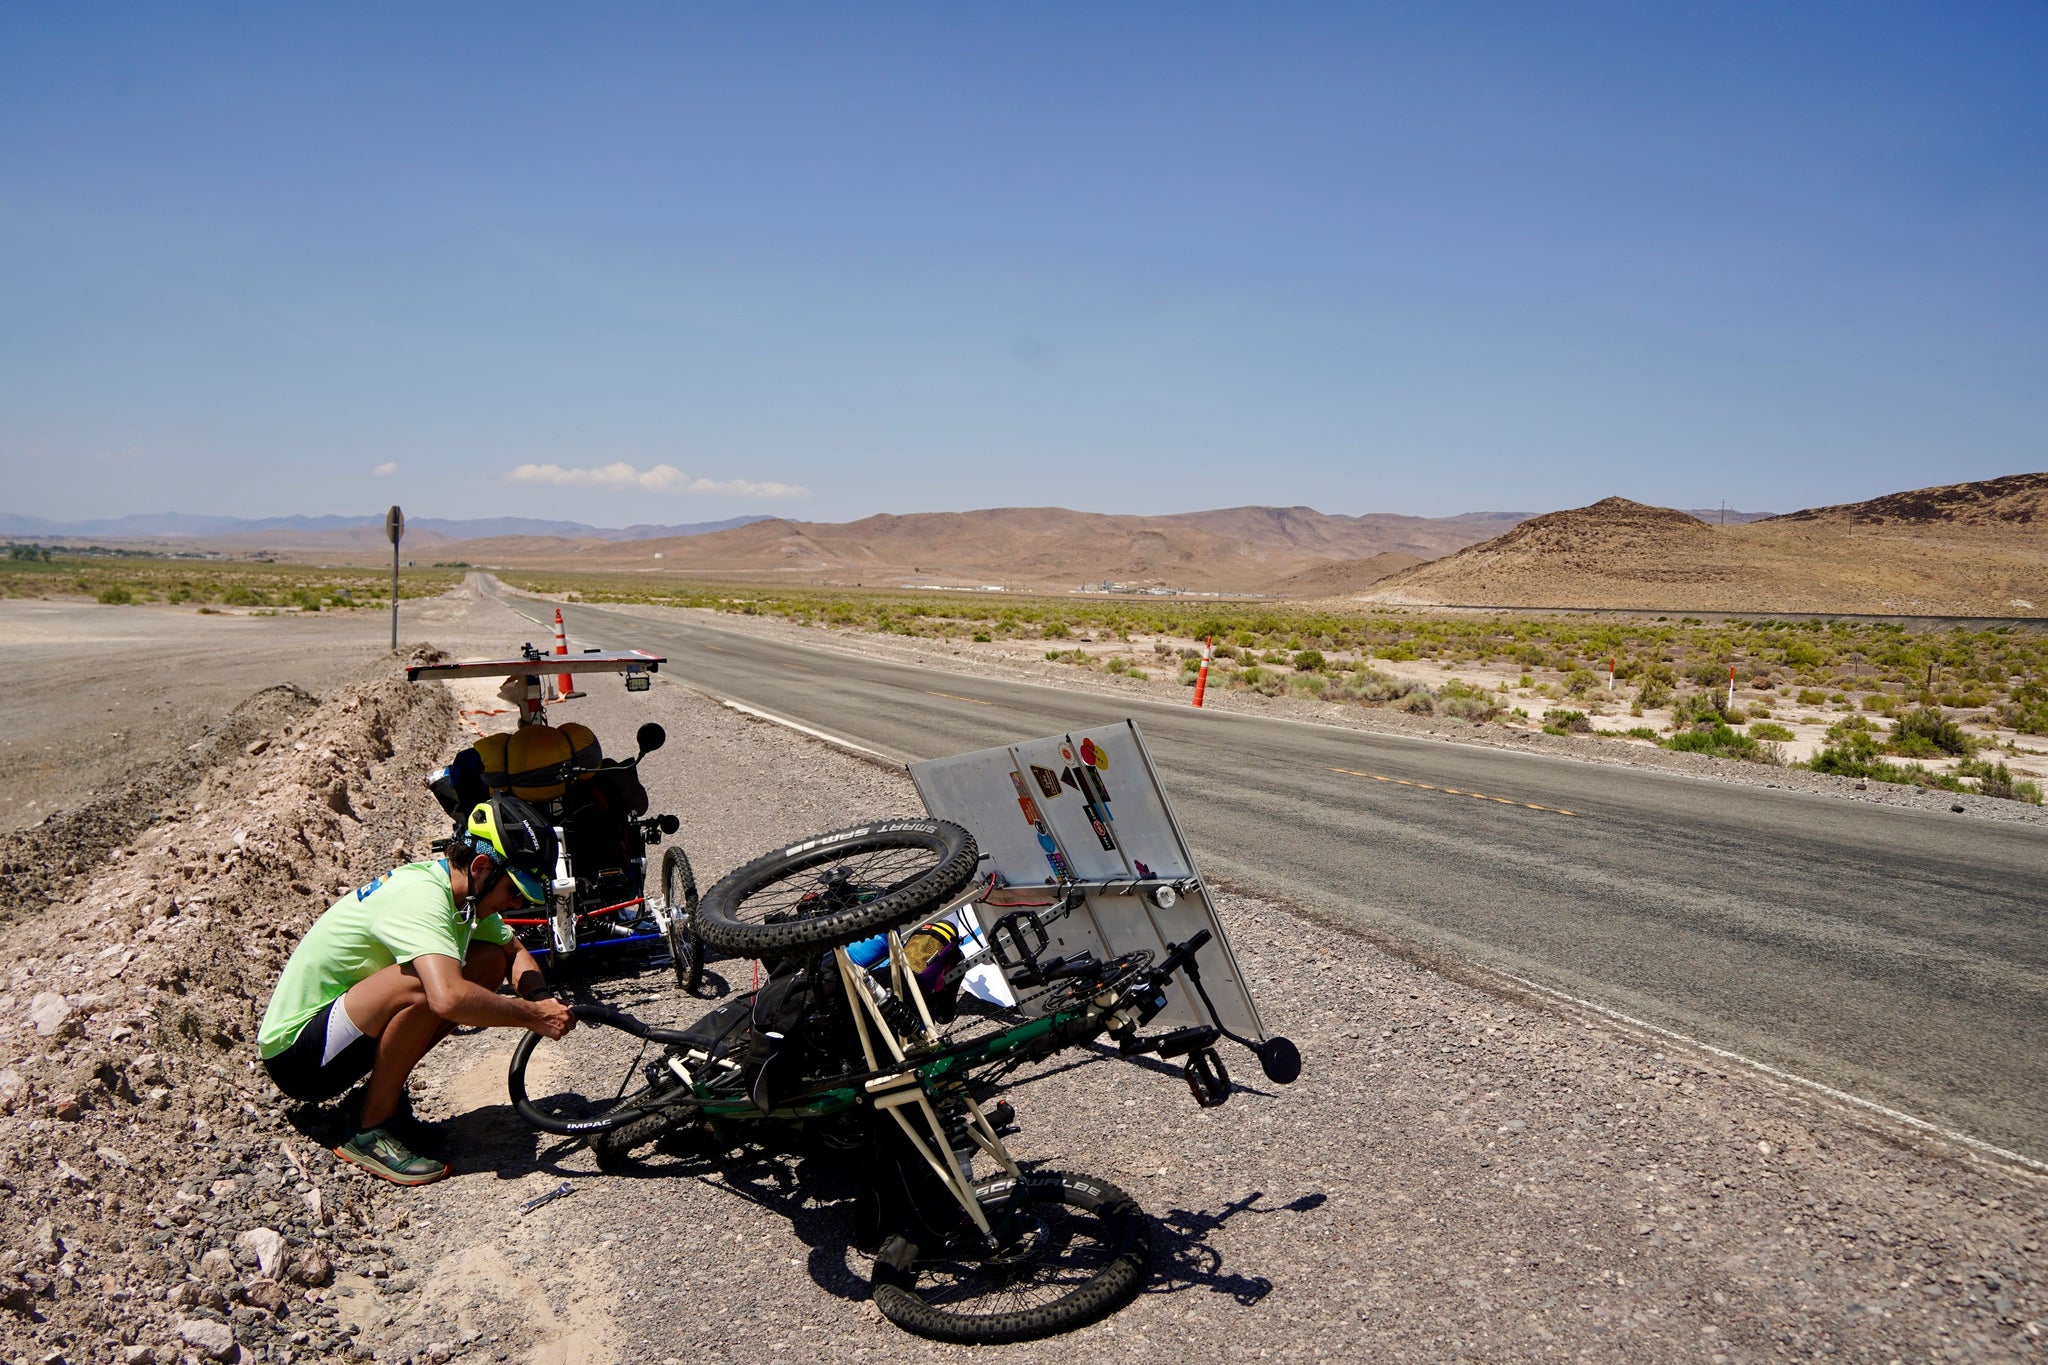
(519, 842)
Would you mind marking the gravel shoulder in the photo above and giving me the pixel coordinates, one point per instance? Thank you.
(1458, 1175)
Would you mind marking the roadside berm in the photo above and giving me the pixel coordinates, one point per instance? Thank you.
(159, 1203)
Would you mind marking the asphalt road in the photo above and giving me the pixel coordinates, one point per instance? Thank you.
(1900, 956)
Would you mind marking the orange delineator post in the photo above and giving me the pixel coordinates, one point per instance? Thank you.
(565, 683)
(1202, 678)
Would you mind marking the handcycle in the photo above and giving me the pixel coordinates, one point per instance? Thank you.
(597, 897)
(848, 1040)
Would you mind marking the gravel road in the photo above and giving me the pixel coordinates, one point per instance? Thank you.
(1457, 1175)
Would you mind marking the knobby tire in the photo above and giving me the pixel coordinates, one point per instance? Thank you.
(896, 871)
(1092, 1254)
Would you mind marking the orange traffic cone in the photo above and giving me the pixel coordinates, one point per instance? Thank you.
(565, 683)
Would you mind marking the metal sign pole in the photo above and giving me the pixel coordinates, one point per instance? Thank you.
(394, 527)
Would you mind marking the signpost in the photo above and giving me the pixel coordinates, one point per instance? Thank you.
(394, 527)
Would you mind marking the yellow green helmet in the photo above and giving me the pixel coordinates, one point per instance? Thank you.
(519, 840)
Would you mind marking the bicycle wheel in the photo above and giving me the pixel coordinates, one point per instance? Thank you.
(837, 888)
(685, 949)
(1071, 1249)
(595, 1078)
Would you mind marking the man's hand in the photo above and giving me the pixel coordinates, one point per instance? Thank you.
(553, 1018)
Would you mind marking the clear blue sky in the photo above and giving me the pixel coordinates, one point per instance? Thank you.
(824, 261)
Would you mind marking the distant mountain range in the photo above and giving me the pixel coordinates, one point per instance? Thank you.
(186, 526)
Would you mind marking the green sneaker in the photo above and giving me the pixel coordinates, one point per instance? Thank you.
(378, 1152)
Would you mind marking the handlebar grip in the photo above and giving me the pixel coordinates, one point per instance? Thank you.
(1183, 953)
(590, 1013)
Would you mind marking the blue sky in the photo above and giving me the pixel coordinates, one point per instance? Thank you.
(671, 263)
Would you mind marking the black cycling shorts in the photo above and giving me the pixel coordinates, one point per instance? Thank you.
(329, 1055)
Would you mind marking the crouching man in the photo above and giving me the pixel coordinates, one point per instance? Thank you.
(392, 967)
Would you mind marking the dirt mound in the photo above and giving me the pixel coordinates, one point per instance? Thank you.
(41, 862)
(158, 1201)
(2014, 501)
(1963, 550)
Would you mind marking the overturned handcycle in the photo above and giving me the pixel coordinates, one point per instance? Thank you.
(865, 953)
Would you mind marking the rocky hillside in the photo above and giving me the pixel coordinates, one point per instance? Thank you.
(1977, 549)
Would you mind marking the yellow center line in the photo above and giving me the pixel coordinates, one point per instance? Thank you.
(956, 697)
(1448, 791)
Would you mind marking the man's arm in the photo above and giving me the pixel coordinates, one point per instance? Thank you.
(525, 975)
(459, 1000)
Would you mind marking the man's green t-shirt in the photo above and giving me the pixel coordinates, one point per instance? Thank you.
(407, 913)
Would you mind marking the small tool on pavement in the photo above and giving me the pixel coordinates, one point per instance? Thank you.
(565, 1188)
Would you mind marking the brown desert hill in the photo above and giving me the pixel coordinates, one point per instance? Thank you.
(1978, 549)
(1336, 577)
(2015, 503)
(1233, 550)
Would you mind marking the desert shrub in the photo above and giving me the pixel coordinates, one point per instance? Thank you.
(1118, 663)
(1466, 702)
(2027, 712)
(1707, 675)
(1701, 708)
(1653, 694)
(1417, 703)
(1771, 730)
(1718, 741)
(242, 595)
(1309, 660)
(1308, 684)
(1259, 680)
(981, 637)
(115, 596)
(1580, 681)
(1568, 723)
(1927, 732)
(1057, 630)
(1641, 732)
(1995, 779)
(1862, 760)
(1811, 696)
(1373, 688)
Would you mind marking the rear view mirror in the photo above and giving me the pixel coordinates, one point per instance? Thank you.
(650, 737)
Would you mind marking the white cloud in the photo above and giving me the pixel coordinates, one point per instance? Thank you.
(386, 470)
(661, 478)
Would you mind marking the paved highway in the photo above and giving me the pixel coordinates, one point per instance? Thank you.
(1900, 956)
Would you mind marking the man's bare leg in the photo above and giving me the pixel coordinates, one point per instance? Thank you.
(394, 1011)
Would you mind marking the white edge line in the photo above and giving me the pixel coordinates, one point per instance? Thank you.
(787, 723)
(1843, 1096)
